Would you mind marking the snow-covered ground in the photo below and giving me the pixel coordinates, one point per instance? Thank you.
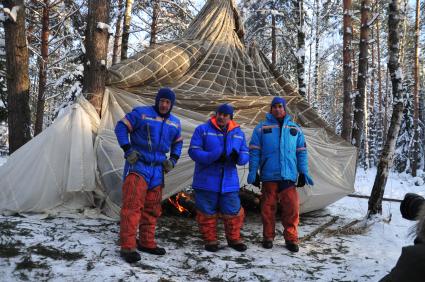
(334, 246)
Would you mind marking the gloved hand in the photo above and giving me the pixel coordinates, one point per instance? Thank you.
(304, 179)
(234, 156)
(254, 179)
(132, 156)
(301, 180)
(168, 165)
(223, 157)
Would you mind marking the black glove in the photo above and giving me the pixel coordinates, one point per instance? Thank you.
(222, 158)
(168, 165)
(257, 182)
(129, 154)
(133, 157)
(301, 180)
(234, 156)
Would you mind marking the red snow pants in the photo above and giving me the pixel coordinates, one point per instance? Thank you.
(140, 210)
(289, 202)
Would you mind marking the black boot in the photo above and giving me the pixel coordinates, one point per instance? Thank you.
(240, 247)
(154, 251)
(211, 248)
(291, 246)
(130, 256)
(267, 244)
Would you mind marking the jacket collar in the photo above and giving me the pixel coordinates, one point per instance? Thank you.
(230, 126)
(272, 119)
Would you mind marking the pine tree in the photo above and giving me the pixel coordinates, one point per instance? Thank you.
(17, 75)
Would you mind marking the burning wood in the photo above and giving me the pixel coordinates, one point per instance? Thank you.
(180, 204)
(183, 203)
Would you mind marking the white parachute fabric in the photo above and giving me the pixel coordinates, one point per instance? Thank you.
(56, 169)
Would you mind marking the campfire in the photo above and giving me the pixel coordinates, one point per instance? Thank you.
(183, 203)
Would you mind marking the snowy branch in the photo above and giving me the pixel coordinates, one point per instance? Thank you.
(12, 14)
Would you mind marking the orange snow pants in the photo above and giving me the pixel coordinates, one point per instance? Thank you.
(289, 201)
(140, 210)
(232, 227)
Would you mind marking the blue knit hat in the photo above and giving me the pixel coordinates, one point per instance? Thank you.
(165, 93)
(278, 100)
(225, 109)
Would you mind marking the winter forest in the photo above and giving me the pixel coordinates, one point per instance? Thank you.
(359, 64)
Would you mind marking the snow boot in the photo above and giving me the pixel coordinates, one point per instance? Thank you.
(292, 246)
(240, 247)
(211, 247)
(154, 251)
(267, 244)
(130, 256)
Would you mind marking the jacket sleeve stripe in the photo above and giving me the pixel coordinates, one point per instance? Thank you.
(254, 147)
(128, 124)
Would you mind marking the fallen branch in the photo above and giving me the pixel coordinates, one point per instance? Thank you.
(319, 229)
(367, 197)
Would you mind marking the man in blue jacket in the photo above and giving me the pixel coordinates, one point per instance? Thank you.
(154, 132)
(278, 150)
(217, 147)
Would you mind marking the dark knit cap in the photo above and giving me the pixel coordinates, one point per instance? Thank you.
(278, 100)
(165, 93)
(225, 109)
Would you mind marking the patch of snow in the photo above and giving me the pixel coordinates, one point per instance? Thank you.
(102, 26)
(12, 14)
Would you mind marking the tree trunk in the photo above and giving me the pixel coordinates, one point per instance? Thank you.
(299, 13)
(316, 57)
(348, 83)
(375, 201)
(385, 119)
(273, 40)
(403, 35)
(154, 24)
(415, 153)
(42, 75)
(309, 76)
(126, 29)
(96, 52)
(358, 123)
(19, 116)
(379, 121)
(117, 36)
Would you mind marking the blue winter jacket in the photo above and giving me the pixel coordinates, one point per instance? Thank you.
(206, 147)
(279, 153)
(153, 137)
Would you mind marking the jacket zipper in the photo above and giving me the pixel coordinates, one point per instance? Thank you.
(222, 169)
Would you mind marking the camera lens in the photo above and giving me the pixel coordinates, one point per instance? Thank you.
(411, 205)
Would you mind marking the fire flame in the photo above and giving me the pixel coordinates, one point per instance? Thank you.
(175, 202)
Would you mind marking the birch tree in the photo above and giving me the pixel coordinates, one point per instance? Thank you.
(358, 123)
(347, 69)
(415, 153)
(385, 162)
(126, 29)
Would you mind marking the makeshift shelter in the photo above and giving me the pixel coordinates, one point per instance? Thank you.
(77, 163)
